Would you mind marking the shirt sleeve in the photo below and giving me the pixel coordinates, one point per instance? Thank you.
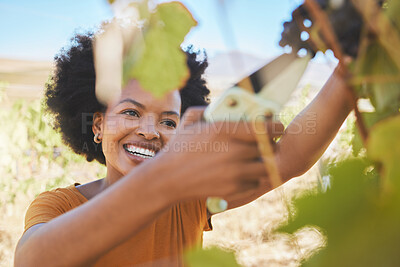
(51, 204)
(43, 209)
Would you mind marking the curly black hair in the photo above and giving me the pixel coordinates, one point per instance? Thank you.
(70, 94)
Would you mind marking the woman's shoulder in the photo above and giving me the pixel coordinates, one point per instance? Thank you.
(50, 204)
(68, 196)
(72, 192)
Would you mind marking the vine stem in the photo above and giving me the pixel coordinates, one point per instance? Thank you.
(322, 21)
(267, 152)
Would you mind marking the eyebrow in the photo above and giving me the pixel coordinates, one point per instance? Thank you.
(130, 100)
(170, 113)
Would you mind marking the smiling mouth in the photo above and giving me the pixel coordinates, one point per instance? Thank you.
(140, 151)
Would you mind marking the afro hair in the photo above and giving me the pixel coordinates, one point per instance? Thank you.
(70, 94)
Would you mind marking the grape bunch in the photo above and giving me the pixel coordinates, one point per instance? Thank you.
(346, 22)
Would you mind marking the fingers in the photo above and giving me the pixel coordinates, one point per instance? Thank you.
(252, 169)
(244, 152)
(274, 128)
(248, 193)
(192, 115)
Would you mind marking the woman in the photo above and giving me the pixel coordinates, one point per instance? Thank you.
(147, 212)
(150, 207)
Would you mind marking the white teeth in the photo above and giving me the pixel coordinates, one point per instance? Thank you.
(139, 151)
(150, 152)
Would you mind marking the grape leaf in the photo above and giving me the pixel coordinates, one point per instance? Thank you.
(159, 64)
(391, 10)
(358, 221)
(343, 213)
(212, 257)
(385, 96)
(369, 119)
(318, 209)
(384, 146)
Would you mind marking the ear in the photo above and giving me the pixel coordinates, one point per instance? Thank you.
(97, 126)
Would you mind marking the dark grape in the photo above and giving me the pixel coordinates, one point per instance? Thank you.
(346, 21)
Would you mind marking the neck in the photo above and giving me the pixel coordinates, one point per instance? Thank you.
(111, 177)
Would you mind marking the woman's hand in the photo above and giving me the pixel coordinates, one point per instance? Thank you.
(214, 159)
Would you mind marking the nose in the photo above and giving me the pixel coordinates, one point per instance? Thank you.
(147, 129)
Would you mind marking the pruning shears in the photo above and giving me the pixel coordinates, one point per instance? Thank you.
(262, 93)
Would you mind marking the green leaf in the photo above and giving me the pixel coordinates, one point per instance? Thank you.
(369, 119)
(319, 209)
(159, 64)
(384, 146)
(385, 96)
(392, 8)
(345, 213)
(212, 257)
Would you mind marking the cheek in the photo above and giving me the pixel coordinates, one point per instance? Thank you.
(167, 135)
(119, 126)
(114, 130)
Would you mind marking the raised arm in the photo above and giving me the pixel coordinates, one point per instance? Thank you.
(306, 138)
(310, 133)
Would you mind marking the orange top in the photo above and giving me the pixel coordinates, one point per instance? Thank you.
(161, 243)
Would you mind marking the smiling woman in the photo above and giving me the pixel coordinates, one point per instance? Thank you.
(150, 207)
(135, 130)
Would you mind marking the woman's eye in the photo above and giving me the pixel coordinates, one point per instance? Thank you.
(131, 112)
(169, 123)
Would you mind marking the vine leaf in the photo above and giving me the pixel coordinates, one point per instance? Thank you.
(385, 96)
(391, 9)
(158, 63)
(212, 257)
(348, 210)
(324, 210)
(382, 146)
(369, 118)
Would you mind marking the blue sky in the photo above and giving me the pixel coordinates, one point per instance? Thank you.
(36, 30)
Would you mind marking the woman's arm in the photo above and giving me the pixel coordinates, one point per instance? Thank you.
(306, 138)
(79, 237)
(82, 235)
(310, 133)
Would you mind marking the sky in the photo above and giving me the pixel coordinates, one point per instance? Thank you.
(37, 30)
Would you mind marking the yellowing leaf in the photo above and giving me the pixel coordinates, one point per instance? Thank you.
(159, 65)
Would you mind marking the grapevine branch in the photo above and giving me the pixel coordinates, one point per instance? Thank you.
(375, 79)
(379, 24)
(267, 153)
(322, 21)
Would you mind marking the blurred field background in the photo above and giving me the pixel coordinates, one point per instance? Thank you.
(33, 160)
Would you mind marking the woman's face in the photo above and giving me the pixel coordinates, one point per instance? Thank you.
(137, 126)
